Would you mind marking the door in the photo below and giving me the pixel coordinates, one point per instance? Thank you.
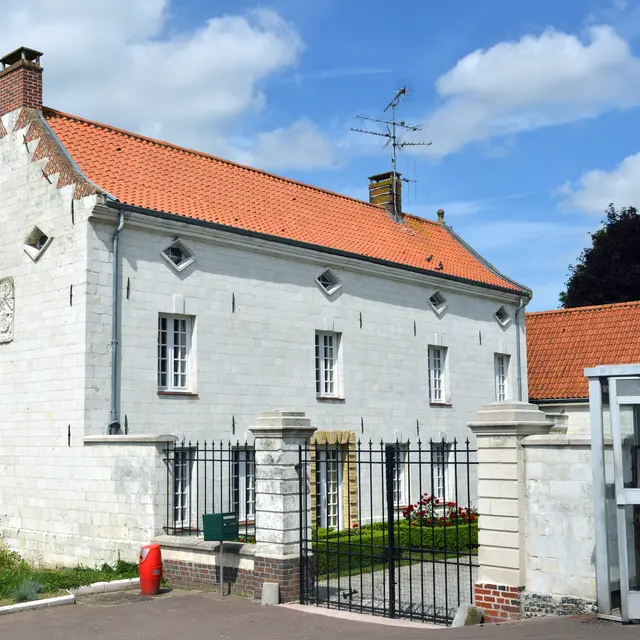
(624, 394)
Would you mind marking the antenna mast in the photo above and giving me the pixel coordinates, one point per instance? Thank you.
(391, 134)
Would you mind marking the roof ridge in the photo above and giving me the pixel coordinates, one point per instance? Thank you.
(589, 308)
(210, 156)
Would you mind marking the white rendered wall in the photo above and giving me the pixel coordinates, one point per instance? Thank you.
(261, 356)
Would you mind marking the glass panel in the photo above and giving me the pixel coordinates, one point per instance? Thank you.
(632, 518)
(439, 462)
(318, 368)
(162, 353)
(435, 373)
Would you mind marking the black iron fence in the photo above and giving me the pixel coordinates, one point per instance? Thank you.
(210, 477)
(389, 529)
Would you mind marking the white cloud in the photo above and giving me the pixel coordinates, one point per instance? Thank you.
(120, 61)
(596, 189)
(550, 79)
(301, 146)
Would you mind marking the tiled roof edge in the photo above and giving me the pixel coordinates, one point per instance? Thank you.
(595, 307)
(484, 261)
(115, 204)
(51, 149)
(209, 156)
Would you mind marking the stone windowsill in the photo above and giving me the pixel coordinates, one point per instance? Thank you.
(174, 394)
(441, 404)
(330, 399)
(138, 438)
(194, 543)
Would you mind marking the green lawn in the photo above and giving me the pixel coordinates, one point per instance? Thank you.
(19, 581)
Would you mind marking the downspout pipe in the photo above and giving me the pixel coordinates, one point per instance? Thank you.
(518, 348)
(114, 422)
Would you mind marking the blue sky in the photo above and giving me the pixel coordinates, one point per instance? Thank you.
(531, 106)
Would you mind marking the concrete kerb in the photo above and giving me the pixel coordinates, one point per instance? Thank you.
(38, 604)
(70, 598)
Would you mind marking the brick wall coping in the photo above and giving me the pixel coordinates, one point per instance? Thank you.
(560, 440)
(192, 543)
(130, 439)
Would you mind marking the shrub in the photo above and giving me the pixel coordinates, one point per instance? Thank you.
(349, 550)
(27, 591)
(10, 560)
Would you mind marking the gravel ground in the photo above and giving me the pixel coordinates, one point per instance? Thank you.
(420, 591)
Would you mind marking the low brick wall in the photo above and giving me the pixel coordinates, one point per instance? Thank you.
(193, 563)
(499, 603)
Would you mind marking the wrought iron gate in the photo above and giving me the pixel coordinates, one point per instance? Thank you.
(388, 529)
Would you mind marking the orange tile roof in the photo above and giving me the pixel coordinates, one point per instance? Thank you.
(157, 175)
(562, 343)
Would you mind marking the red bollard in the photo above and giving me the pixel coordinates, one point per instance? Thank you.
(150, 568)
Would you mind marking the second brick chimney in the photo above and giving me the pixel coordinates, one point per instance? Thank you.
(20, 80)
(381, 192)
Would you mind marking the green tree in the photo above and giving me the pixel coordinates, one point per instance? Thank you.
(609, 270)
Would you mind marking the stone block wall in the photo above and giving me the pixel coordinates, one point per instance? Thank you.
(559, 525)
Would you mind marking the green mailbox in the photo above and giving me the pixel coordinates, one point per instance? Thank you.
(219, 527)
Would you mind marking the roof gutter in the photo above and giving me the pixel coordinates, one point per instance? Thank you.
(312, 247)
(560, 401)
(518, 348)
(114, 423)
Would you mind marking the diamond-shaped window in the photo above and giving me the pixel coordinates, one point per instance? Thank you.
(328, 281)
(178, 255)
(438, 302)
(502, 316)
(36, 243)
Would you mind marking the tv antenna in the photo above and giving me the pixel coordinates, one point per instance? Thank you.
(391, 134)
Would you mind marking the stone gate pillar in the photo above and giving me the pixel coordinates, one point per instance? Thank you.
(499, 428)
(278, 436)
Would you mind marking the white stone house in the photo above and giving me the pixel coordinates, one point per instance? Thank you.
(147, 289)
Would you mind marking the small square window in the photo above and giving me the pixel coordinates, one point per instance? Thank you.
(36, 243)
(502, 316)
(178, 255)
(328, 282)
(438, 302)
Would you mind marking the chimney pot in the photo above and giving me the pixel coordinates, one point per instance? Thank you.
(20, 80)
(381, 187)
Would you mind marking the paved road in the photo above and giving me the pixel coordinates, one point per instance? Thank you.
(423, 589)
(205, 616)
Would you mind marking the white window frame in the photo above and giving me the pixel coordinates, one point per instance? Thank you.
(440, 303)
(332, 282)
(31, 248)
(244, 483)
(189, 256)
(183, 481)
(329, 487)
(400, 479)
(437, 357)
(501, 372)
(327, 350)
(175, 363)
(440, 465)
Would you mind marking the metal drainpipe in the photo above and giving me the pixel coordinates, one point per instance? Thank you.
(114, 423)
(518, 352)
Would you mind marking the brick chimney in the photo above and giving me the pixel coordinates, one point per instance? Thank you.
(381, 193)
(20, 80)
